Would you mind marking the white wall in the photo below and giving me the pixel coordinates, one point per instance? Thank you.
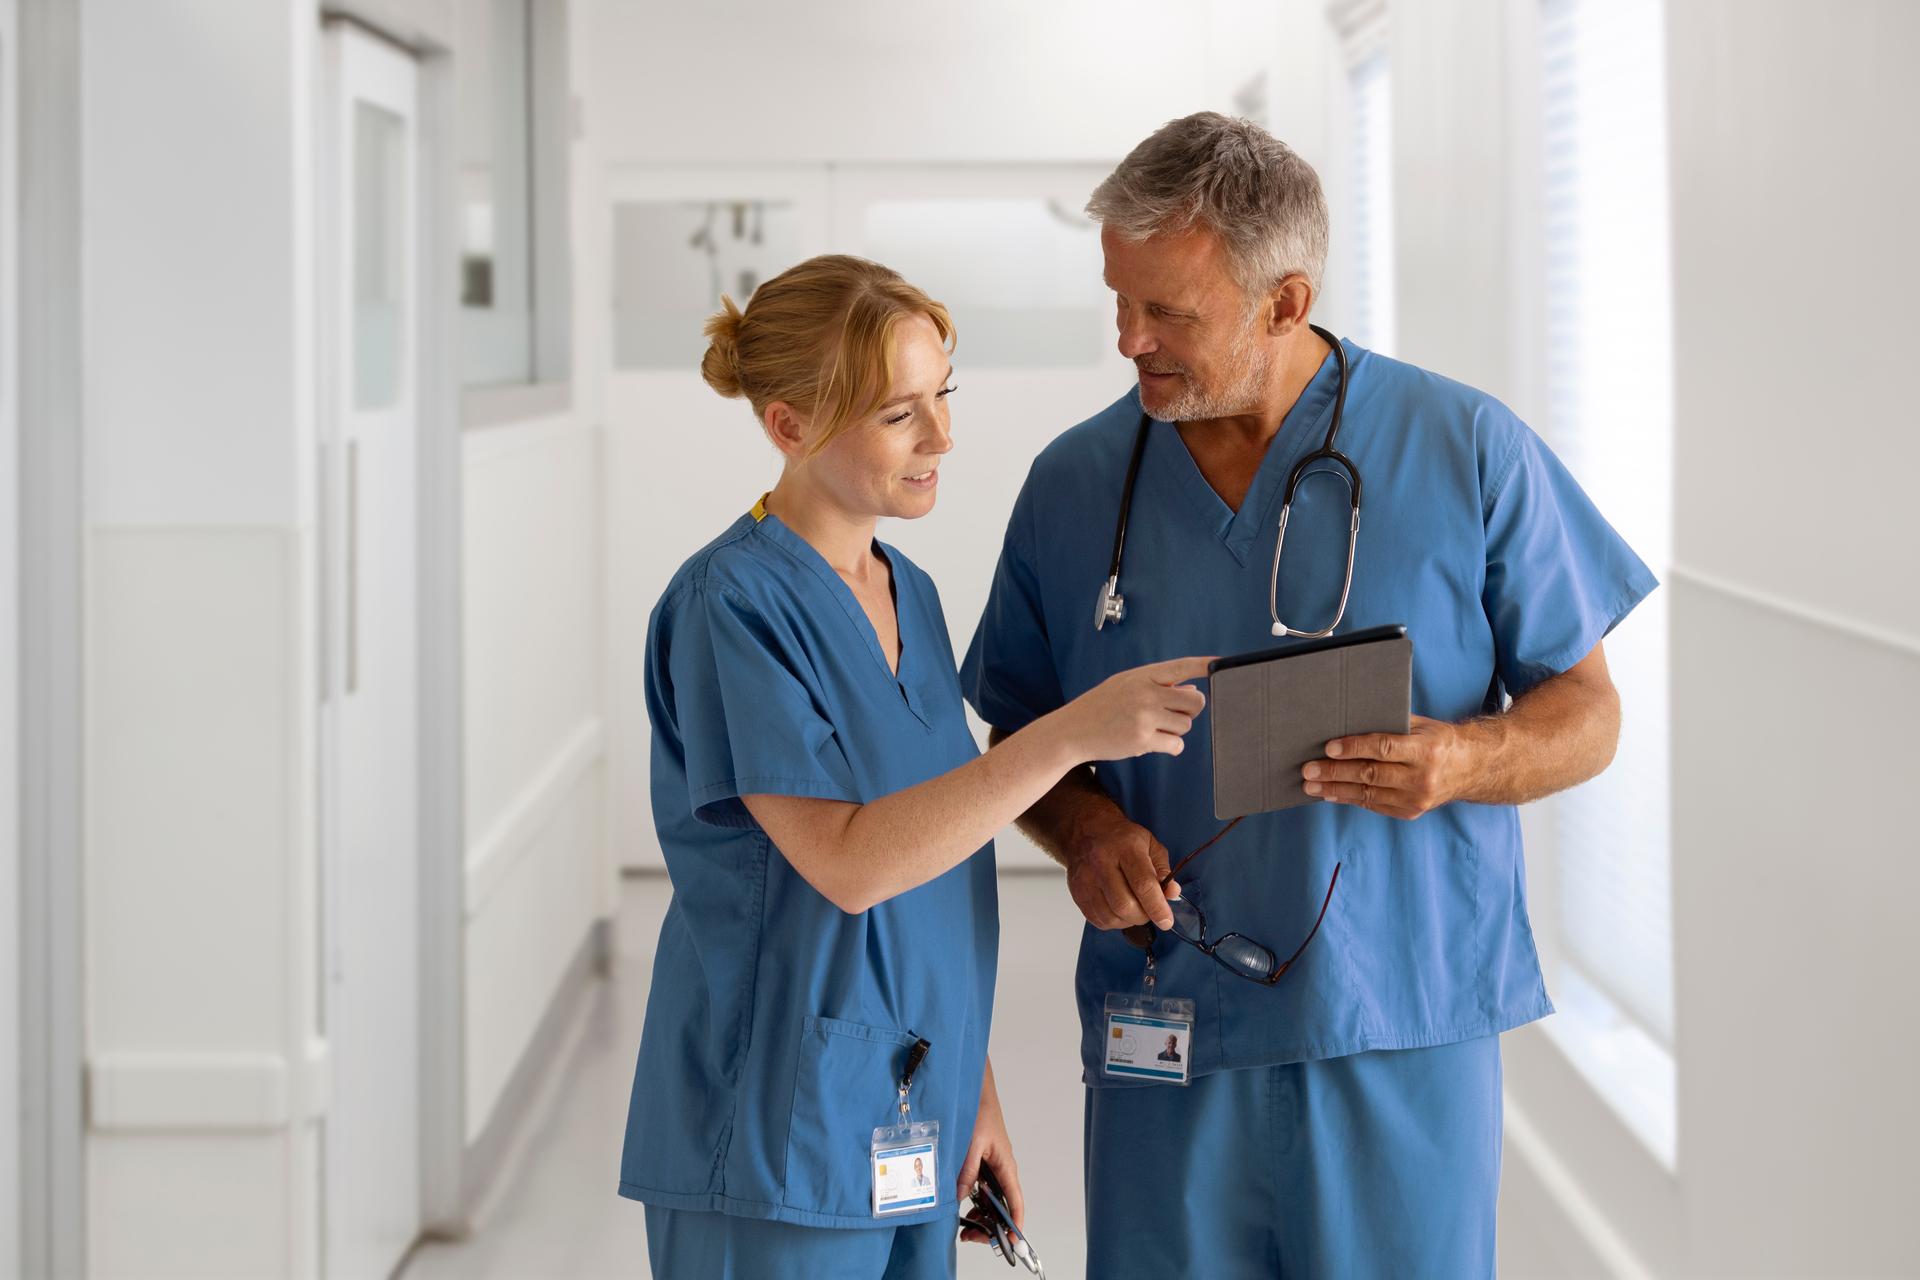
(1796, 634)
(1795, 631)
(930, 83)
(198, 890)
(538, 876)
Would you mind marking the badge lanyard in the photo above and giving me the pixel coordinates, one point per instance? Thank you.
(904, 1155)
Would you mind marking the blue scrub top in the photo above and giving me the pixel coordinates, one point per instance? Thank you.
(1473, 535)
(778, 1024)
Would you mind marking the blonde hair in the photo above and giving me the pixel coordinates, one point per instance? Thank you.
(818, 336)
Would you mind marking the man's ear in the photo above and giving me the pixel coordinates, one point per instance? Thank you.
(1289, 305)
(786, 428)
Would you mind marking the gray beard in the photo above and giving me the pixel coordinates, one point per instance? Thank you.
(1196, 405)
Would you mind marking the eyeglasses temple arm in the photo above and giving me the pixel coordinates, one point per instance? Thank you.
(1324, 902)
(1202, 849)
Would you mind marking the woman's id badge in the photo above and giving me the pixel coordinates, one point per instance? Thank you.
(1149, 1038)
(906, 1174)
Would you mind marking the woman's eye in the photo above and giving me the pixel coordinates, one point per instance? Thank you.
(947, 391)
(897, 419)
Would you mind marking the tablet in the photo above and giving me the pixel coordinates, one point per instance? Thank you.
(1277, 709)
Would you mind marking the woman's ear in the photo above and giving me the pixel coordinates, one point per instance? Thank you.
(786, 428)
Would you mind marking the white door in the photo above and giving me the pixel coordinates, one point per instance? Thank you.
(370, 856)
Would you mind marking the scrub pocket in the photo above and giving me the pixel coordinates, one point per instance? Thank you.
(1423, 906)
(846, 1086)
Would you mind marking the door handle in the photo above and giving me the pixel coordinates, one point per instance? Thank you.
(353, 567)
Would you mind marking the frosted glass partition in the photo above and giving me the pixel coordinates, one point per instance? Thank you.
(1021, 276)
(379, 256)
(674, 258)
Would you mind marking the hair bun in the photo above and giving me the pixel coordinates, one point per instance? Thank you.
(721, 365)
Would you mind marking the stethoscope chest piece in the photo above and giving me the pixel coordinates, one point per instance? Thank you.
(1111, 606)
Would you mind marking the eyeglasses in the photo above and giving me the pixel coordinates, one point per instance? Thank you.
(1234, 952)
(992, 1216)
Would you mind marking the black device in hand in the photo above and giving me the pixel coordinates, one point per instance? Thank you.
(991, 1215)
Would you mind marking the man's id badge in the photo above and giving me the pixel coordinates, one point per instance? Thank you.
(906, 1175)
(1149, 1038)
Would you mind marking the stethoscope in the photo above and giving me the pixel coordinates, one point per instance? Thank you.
(1112, 606)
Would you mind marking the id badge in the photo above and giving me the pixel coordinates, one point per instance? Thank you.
(906, 1173)
(1149, 1038)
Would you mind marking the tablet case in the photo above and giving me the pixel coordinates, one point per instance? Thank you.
(1274, 711)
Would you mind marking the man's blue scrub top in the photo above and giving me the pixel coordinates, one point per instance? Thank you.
(1472, 534)
(778, 1025)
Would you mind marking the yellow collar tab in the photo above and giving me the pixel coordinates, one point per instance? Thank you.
(759, 511)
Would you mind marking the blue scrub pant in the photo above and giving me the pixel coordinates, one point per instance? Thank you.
(689, 1244)
(1377, 1164)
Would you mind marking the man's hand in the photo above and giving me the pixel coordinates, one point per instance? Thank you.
(1402, 775)
(1555, 735)
(1114, 870)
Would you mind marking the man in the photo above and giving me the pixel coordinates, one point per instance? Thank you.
(1172, 1052)
(1357, 1099)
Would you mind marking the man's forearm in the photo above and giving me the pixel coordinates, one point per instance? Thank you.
(1052, 820)
(1556, 735)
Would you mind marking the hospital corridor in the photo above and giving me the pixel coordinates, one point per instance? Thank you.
(865, 639)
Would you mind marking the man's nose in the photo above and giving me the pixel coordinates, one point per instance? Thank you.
(1136, 340)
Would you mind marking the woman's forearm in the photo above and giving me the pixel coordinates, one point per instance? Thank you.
(858, 855)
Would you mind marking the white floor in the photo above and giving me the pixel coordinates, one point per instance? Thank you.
(557, 1218)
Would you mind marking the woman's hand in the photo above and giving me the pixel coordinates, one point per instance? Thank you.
(990, 1144)
(1135, 712)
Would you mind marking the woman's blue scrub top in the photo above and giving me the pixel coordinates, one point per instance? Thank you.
(778, 1025)
(1473, 535)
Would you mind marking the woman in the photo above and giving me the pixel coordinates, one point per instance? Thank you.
(827, 821)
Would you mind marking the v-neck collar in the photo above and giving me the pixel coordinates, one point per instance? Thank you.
(1301, 432)
(800, 549)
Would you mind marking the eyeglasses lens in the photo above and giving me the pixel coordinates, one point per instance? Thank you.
(1188, 923)
(1245, 957)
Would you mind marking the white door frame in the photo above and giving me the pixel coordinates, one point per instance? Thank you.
(442, 743)
(442, 840)
(10, 1259)
(52, 1137)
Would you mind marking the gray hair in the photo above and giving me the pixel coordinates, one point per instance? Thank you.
(1232, 176)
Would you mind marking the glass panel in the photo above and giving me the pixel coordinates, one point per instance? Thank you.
(1373, 317)
(496, 225)
(379, 256)
(673, 260)
(1608, 308)
(1021, 276)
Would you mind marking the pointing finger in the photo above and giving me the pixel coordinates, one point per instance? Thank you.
(1179, 670)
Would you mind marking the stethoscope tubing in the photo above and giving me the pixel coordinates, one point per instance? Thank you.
(1112, 605)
